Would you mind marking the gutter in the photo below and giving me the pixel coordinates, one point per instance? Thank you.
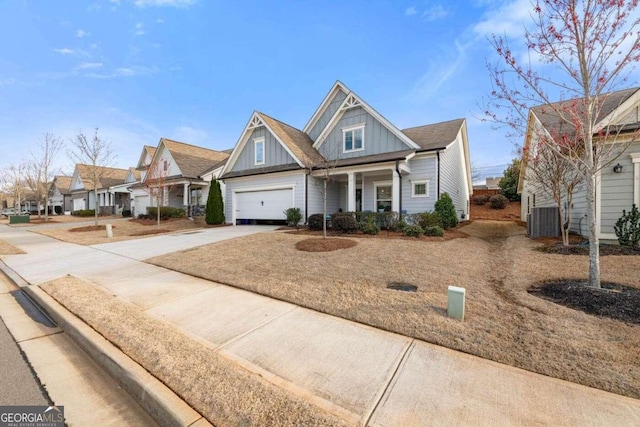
(306, 194)
(438, 157)
(400, 189)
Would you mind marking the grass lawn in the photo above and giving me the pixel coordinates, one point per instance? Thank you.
(7, 249)
(497, 265)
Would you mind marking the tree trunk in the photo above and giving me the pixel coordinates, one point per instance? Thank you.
(46, 207)
(158, 206)
(594, 243)
(324, 210)
(95, 205)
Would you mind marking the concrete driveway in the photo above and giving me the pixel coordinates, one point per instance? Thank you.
(148, 247)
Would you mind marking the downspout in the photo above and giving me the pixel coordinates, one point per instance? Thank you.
(438, 160)
(400, 188)
(306, 194)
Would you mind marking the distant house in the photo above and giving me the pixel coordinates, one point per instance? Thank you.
(60, 195)
(82, 189)
(618, 186)
(181, 171)
(372, 164)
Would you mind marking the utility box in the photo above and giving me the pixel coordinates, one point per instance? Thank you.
(543, 222)
(19, 219)
(456, 302)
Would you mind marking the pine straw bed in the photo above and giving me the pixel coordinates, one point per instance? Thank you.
(220, 390)
(503, 321)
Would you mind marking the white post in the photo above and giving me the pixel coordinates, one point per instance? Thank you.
(456, 302)
(395, 192)
(351, 192)
(109, 231)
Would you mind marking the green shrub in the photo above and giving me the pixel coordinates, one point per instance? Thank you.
(166, 212)
(413, 231)
(84, 212)
(294, 216)
(344, 223)
(627, 227)
(126, 213)
(428, 219)
(369, 228)
(315, 222)
(214, 212)
(434, 230)
(481, 200)
(444, 207)
(498, 201)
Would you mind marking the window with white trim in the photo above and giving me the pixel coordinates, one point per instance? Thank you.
(420, 188)
(353, 138)
(258, 150)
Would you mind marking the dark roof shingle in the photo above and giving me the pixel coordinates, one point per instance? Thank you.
(435, 136)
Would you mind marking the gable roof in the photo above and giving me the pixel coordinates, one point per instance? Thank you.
(62, 183)
(109, 178)
(190, 159)
(435, 136)
(147, 150)
(338, 85)
(298, 142)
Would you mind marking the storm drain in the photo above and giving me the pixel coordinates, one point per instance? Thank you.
(406, 287)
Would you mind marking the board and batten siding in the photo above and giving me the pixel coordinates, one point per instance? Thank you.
(453, 176)
(377, 138)
(265, 182)
(274, 153)
(315, 196)
(422, 169)
(323, 120)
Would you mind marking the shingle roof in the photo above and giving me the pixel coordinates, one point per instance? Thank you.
(555, 117)
(108, 176)
(435, 136)
(298, 142)
(137, 174)
(374, 158)
(193, 161)
(260, 171)
(62, 183)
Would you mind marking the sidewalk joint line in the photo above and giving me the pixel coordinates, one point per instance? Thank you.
(42, 336)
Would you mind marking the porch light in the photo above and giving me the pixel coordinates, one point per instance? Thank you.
(617, 168)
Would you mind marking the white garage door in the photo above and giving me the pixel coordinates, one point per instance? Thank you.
(263, 204)
(78, 204)
(140, 205)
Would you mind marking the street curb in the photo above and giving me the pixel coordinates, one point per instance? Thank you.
(156, 398)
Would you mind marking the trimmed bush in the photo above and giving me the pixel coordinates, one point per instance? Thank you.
(126, 213)
(344, 223)
(84, 212)
(627, 227)
(498, 201)
(294, 216)
(315, 221)
(434, 230)
(369, 228)
(481, 200)
(444, 207)
(214, 212)
(413, 231)
(166, 212)
(429, 219)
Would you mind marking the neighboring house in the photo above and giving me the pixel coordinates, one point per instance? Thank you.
(371, 165)
(121, 194)
(59, 195)
(491, 186)
(82, 190)
(618, 185)
(140, 199)
(183, 172)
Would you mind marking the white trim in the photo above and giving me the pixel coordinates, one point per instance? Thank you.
(420, 182)
(292, 187)
(598, 204)
(377, 184)
(618, 112)
(635, 159)
(607, 236)
(422, 156)
(324, 104)
(256, 141)
(271, 175)
(353, 130)
(361, 168)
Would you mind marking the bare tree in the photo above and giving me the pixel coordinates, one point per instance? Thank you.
(97, 156)
(326, 176)
(39, 169)
(156, 183)
(585, 50)
(14, 178)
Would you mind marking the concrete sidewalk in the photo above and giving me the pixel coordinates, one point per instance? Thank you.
(365, 375)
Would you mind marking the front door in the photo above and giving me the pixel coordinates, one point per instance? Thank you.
(358, 199)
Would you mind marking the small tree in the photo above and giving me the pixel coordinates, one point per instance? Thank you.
(447, 211)
(41, 171)
(155, 182)
(509, 183)
(215, 206)
(294, 216)
(97, 156)
(627, 227)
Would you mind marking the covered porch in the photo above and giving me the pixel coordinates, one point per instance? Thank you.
(190, 195)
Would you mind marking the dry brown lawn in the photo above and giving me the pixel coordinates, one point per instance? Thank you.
(122, 230)
(216, 387)
(7, 249)
(496, 265)
(510, 213)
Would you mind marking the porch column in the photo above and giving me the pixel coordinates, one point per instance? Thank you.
(185, 194)
(351, 192)
(395, 192)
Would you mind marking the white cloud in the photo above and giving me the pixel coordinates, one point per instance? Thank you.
(65, 51)
(435, 13)
(94, 46)
(171, 3)
(90, 65)
(7, 82)
(410, 11)
(82, 33)
(116, 2)
(139, 29)
(508, 20)
(159, 21)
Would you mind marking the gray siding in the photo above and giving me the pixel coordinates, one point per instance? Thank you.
(617, 191)
(377, 138)
(267, 180)
(333, 106)
(421, 169)
(274, 152)
(452, 176)
(368, 193)
(315, 200)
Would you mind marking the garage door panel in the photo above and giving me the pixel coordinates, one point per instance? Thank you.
(263, 204)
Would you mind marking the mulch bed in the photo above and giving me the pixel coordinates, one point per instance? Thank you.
(448, 234)
(90, 228)
(324, 245)
(613, 300)
(558, 248)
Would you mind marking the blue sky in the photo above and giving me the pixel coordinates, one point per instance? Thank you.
(194, 70)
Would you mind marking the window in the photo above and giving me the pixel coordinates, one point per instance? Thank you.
(353, 138)
(258, 145)
(383, 193)
(419, 188)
